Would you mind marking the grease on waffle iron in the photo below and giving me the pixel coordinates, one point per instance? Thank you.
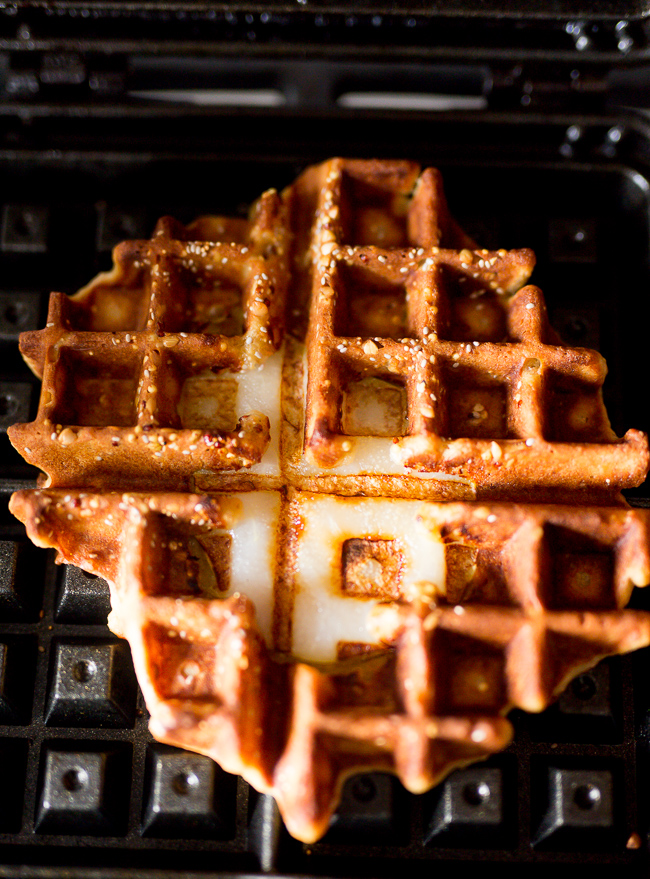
(199, 459)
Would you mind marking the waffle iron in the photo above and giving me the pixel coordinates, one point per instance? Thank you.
(115, 113)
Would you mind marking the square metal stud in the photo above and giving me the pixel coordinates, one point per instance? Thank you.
(18, 312)
(589, 694)
(24, 228)
(578, 325)
(189, 795)
(9, 598)
(116, 224)
(471, 805)
(587, 711)
(20, 581)
(92, 685)
(573, 240)
(83, 598)
(81, 793)
(580, 802)
(15, 402)
(368, 811)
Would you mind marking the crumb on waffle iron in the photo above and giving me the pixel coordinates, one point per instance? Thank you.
(341, 477)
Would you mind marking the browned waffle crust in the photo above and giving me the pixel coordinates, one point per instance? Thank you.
(533, 595)
(490, 395)
(124, 360)
(232, 488)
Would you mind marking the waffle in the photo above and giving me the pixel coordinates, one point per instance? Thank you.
(470, 383)
(423, 369)
(142, 368)
(518, 599)
(308, 451)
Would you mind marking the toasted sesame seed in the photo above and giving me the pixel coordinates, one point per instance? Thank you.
(369, 347)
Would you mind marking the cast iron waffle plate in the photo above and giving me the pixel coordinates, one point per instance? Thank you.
(83, 785)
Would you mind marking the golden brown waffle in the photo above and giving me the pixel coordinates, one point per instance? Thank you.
(531, 596)
(140, 368)
(479, 387)
(295, 608)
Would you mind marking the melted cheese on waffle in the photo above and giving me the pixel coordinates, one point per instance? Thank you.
(259, 391)
(253, 553)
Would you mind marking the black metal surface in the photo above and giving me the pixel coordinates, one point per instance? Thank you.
(84, 787)
(101, 53)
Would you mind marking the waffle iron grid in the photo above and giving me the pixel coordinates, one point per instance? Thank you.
(84, 784)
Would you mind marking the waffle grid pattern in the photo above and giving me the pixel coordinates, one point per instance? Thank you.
(130, 345)
(464, 350)
(476, 809)
(519, 626)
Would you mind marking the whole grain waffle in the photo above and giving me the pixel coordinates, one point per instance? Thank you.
(141, 369)
(526, 598)
(428, 371)
(312, 522)
(475, 384)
